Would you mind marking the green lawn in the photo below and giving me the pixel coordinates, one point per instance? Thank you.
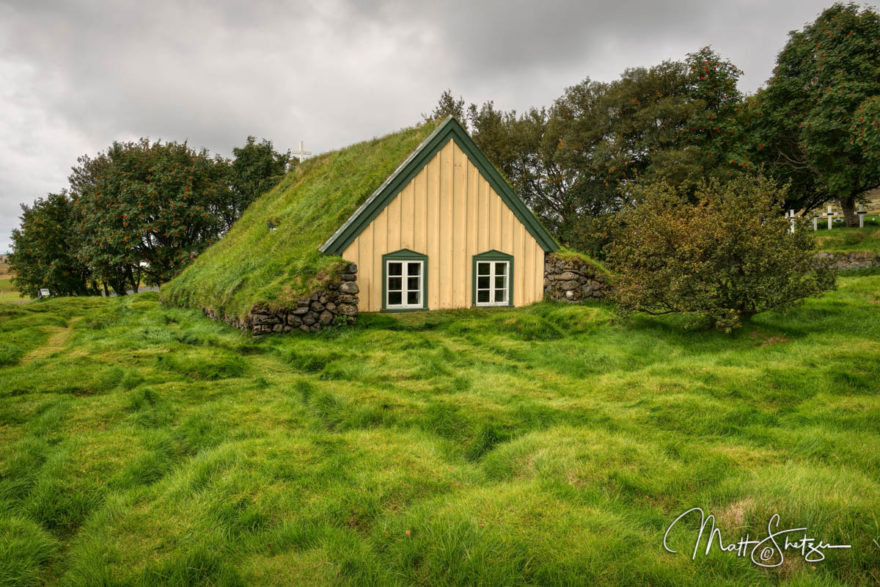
(554, 444)
(7, 291)
(849, 239)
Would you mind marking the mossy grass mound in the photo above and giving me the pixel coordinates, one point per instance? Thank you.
(270, 255)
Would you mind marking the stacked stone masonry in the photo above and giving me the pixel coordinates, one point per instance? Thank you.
(565, 279)
(846, 260)
(338, 302)
(570, 279)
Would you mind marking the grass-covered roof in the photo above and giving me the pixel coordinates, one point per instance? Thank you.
(253, 264)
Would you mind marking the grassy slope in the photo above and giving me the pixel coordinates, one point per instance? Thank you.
(8, 293)
(598, 266)
(549, 445)
(253, 264)
(849, 239)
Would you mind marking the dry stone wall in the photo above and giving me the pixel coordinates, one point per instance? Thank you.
(336, 303)
(565, 279)
(844, 260)
(570, 279)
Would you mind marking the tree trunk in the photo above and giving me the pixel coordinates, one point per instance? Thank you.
(119, 283)
(134, 280)
(848, 205)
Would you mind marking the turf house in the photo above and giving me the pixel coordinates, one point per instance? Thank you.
(416, 220)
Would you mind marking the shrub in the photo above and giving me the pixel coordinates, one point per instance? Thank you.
(729, 256)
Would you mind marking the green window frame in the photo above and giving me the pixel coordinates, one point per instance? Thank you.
(492, 274)
(404, 273)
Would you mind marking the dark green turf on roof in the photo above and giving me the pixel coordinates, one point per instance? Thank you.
(253, 264)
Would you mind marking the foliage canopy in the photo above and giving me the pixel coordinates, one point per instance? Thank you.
(44, 250)
(729, 256)
(138, 210)
(256, 168)
(815, 122)
(147, 207)
(575, 161)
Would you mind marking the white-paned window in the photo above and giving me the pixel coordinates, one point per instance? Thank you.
(493, 283)
(404, 284)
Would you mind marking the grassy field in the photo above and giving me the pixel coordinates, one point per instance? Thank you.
(849, 239)
(553, 444)
(7, 291)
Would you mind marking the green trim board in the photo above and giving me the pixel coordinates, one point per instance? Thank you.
(404, 255)
(492, 255)
(450, 129)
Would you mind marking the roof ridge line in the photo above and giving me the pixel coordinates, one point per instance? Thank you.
(392, 185)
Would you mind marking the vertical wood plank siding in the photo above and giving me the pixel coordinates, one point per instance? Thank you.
(450, 213)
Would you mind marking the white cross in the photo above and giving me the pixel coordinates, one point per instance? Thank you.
(830, 214)
(861, 214)
(302, 153)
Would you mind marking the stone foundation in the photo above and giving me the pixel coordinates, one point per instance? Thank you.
(335, 304)
(571, 279)
(844, 260)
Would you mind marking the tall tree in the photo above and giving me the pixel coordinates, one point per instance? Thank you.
(577, 160)
(673, 122)
(255, 169)
(715, 129)
(527, 149)
(866, 129)
(147, 207)
(44, 250)
(448, 105)
(823, 84)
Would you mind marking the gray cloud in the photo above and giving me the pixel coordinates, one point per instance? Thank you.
(77, 75)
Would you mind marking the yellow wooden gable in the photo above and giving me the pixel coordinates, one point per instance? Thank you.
(448, 213)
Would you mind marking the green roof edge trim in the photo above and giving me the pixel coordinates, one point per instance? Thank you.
(378, 200)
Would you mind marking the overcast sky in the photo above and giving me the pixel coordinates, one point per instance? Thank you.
(75, 75)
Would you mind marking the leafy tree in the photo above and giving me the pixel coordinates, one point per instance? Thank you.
(494, 132)
(808, 115)
(729, 256)
(575, 162)
(866, 129)
(255, 169)
(715, 130)
(674, 122)
(641, 115)
(448, 105)
(44, 250)
(147, 207)
(527, 149)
